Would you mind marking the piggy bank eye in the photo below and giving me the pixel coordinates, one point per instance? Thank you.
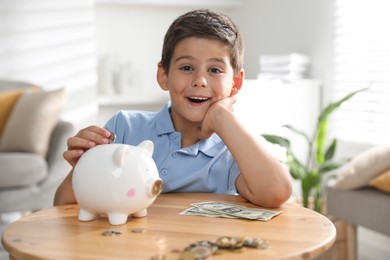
(157, 187)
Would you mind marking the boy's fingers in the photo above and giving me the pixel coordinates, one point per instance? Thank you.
(80, 143)
(94, 134)
(85, 139)
(97, 130)
(72, 156)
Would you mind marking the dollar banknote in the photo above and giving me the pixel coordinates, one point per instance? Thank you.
(223, 209)
(195, 211)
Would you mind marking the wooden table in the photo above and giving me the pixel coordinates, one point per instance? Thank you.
(56, 233)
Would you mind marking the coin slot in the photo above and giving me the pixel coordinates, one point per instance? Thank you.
(157, 187)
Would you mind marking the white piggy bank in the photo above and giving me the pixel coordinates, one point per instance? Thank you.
(117, 180)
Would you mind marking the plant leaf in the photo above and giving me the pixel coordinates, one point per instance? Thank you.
(312, 178)
(331, 107)
(299, 132)
(322, 125)
(332, 165)
(297, 170)
(331, 150)
(275, 139)
(322, 129)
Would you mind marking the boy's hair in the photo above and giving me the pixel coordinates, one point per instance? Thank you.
(203, 23)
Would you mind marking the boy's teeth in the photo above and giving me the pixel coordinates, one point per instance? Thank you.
(198, 99)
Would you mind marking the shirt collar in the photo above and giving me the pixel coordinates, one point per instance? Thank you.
(164, 125)
(211, 146)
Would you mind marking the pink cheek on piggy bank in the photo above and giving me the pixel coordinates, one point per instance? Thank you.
(131, 193)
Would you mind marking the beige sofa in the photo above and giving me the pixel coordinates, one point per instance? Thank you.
(28, 180)
(360, 194)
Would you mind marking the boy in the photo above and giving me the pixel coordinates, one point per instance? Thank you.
(200, 146)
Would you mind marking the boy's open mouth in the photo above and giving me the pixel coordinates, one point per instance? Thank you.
(197, 99)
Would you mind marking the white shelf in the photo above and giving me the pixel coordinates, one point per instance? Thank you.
(110, 104)
(177, 3)
(121, 100)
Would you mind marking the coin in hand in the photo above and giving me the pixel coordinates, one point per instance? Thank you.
(112, 137)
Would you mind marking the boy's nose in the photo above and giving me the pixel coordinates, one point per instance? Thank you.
(199, 80)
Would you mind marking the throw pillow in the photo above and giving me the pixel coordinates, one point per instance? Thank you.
(363, 168)
(382, 182)
(32, 121)
(8, 100)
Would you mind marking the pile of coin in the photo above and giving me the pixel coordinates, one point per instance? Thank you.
(202, 249)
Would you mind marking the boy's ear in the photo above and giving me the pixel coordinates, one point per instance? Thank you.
(162, 77)
(237, 83)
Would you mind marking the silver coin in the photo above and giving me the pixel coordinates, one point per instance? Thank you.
(111, 232)
(230, 242)
(187, 255)
(138, 230)
(112, 138)
(263, 245)
(158, 257)
(252, 242)
(201, 252)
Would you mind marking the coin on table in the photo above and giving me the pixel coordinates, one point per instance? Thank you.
(187, 255)
(111, 232)
(263, 245)
(230, 242)
(205, 243)
(138, 230)
(252, 242)
(201, 252)
(158, 257)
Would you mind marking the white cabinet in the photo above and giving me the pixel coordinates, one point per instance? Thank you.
(109, 105)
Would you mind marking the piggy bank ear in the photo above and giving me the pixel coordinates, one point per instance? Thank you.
(147, 146)
(120, 154)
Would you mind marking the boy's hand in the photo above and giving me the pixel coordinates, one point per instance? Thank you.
(85, 139)
(209, 124)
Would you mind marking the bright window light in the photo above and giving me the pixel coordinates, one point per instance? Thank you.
(362, 59)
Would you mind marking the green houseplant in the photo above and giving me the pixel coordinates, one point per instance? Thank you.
(319, 157)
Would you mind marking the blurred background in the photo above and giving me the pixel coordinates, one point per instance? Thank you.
(105, 53)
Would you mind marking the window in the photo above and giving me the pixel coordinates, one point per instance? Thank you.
(362, 59)
(52, 44)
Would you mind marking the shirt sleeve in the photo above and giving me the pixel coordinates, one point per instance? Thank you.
(233, 174)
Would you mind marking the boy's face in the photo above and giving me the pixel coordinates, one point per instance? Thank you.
(200, 74)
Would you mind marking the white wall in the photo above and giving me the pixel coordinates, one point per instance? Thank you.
(285, 26)
(135, 33)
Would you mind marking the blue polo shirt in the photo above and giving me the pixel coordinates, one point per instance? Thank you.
(206, 166)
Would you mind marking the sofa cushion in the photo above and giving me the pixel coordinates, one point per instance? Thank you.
(363, 168)
(365, 207)
(32, 121)
(382, 182)
(21, 169)
(8, 100)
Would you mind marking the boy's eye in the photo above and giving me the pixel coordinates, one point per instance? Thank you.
(215, 70)
(186, 68)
